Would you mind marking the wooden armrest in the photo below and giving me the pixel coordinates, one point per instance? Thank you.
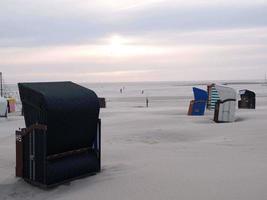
(29, 130)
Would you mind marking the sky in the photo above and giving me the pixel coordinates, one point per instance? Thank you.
(133, 40)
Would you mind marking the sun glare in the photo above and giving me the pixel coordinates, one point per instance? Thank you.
(117, 45)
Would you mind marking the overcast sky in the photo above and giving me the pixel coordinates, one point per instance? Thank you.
(133, 40)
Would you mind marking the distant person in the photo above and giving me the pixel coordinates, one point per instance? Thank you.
(147, 102)
(142, 92)
(120, 90)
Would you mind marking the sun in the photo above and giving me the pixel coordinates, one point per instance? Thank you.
(117, 40)
(117, 45)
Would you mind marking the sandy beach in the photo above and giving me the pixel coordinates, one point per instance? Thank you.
(159, 152)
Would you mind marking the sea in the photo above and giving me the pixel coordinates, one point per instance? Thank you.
(138, 92)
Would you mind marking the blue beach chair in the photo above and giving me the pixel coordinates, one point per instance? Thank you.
(197, 106)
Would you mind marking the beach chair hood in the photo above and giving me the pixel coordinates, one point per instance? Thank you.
(199, 94)
(225, 92)
(247, 93)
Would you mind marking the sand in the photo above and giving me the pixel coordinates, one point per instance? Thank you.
(159, 152)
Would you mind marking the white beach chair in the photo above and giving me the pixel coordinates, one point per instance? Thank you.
(226, 105)
(3, 107)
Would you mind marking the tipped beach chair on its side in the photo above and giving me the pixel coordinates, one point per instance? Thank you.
(62, 138)
(197, 106)
(225, 107)
(248, 99)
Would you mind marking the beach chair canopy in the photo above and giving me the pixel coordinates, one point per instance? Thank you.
(247, 94)
(3, 107)
(225, 92)
(70, 112)
(199, 94)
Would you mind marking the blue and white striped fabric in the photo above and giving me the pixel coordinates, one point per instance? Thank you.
(214, 97)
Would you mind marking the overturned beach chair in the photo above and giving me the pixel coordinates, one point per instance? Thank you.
(62, 138)
(197, 106)
(225, 106)
(248, 99)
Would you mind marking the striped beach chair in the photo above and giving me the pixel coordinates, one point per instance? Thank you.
(213, 97)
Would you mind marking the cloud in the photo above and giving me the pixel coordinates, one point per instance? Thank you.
(167, 39)
(42, 23)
